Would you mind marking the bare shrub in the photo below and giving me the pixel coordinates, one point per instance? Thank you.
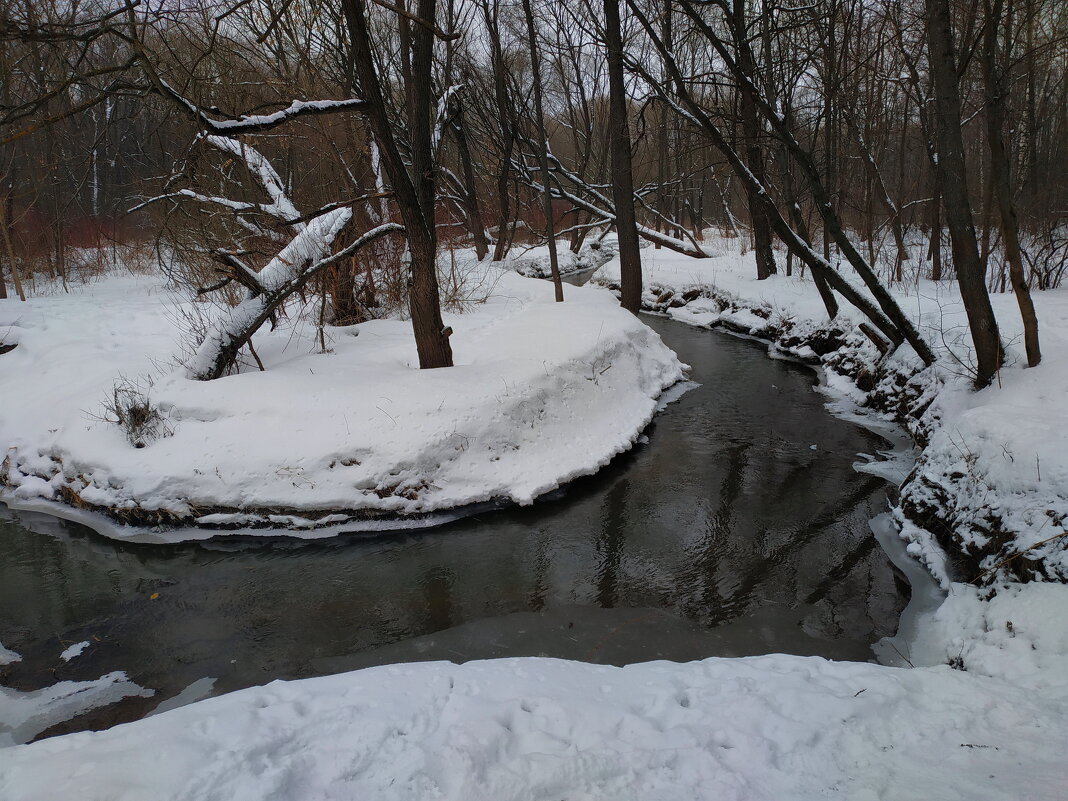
(130, 407)
(464, 281)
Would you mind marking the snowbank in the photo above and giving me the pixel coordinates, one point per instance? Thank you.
(1016, 632)
(775, 727)
(541, 393)
(533, 262)
(992, 479)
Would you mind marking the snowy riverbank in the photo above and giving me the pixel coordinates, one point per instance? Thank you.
(320, 439)
(533, 262)
(987, 500)
(780, 728)
(989, 493)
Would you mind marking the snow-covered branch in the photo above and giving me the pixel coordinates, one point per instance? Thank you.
(442, 116)
(601, 207)
(258, 123)
(292, 268)
(281, 206)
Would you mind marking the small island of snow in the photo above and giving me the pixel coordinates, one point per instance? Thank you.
(541, 393)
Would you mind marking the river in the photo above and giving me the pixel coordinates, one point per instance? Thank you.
(738, 526)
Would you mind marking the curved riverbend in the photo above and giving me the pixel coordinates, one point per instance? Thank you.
(738, 526)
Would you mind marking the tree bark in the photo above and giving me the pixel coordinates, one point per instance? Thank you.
(971, 277)
(473, 213)
(543, 155)
(826, 294)
(754, 156)
(1002, 180)
(9, 230)
(505, 116)
(630, 264)
(414, 193)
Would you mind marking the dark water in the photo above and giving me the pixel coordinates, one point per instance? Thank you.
(740, 527)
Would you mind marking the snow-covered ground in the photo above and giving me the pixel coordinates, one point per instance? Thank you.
(779, 728)
(319, 439)
(983, 714)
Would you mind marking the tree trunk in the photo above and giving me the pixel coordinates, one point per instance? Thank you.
(3, 283)
(9, 230)
(826, 294)
(1002, 180)
(630, 264)
(506, 118)
(414, 193)
(951, 166)
(751, 131)
(543, 155)
(471, 208)
(934, 247)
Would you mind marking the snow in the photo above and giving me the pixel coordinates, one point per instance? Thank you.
(774, 727)
(1017, 632)
(281, 206)
(321, 438)
(259, 122)
(74, 651)
(975, 706)
(533, 262)
(309, 245)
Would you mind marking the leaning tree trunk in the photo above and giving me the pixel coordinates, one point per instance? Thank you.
(822, 196)
(303, 258)
(630, 264)
(887, 317)
(826, 293)
(971, 276)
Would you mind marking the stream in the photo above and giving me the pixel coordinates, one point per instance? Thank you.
(737, 526)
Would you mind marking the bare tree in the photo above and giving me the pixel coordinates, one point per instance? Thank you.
(542, 147)
(630, 263)
(994, 78)
(971, 276)
(412, 185)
